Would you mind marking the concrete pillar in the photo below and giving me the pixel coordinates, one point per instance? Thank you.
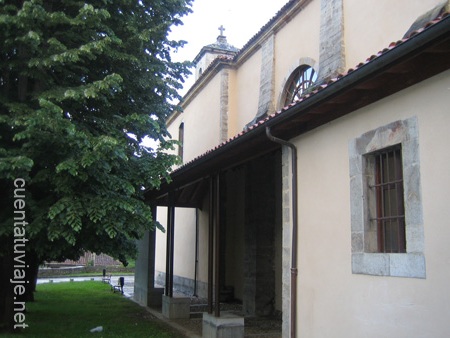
(176, 307)
(145, 292)
(226, 326)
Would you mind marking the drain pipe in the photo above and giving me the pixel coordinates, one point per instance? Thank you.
(294, 270)
(196, 252)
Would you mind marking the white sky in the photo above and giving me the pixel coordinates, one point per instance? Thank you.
(242, 19)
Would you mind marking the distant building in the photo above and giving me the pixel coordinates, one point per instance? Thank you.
(88, 259)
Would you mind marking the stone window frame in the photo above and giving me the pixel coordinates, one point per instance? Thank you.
(412, 263)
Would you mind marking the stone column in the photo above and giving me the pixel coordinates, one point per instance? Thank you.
(287, 238)
(266, 85)
(224, 104)
(266, 104)
(332, 53)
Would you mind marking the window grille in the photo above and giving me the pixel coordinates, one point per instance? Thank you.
(390, 209)
(301, 80)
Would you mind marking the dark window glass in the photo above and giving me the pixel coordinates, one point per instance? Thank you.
(390, 207)
(301, 79)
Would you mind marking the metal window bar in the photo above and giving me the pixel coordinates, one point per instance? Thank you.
(388, 187)
(304, 77)
(401, 231)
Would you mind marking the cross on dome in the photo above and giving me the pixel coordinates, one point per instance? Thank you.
(221, 29)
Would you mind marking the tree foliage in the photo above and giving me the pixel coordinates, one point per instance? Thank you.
(81, 84)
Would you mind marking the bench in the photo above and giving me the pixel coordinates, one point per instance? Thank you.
(105, 278)
(119, 286)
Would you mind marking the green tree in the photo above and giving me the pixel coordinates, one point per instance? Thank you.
(81, 84)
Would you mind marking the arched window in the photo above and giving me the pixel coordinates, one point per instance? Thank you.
(300, 80)
(181, 140)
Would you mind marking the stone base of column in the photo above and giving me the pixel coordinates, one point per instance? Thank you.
(154, 297)
(226, 326)
(176, 307)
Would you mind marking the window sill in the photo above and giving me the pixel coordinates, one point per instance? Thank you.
(410, 265)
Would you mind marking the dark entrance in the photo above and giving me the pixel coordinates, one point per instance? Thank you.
(251, 235)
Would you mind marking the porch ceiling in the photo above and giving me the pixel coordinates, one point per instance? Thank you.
(399, 66)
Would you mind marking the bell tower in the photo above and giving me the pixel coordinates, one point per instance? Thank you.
(210, 52)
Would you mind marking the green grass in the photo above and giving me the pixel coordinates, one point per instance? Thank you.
(70, 310)
(88, 274)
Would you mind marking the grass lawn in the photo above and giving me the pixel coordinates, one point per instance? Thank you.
(73, 309)
(88, 274)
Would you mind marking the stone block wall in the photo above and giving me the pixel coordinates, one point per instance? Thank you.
(332, 52)
(266, 87)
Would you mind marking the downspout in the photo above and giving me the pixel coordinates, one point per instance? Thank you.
(196, 252)
(294, 245)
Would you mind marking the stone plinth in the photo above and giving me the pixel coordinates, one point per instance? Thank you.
(225, 326)
(176, 307)
(154, 297)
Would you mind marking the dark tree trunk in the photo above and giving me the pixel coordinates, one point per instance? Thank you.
(12, 299)
(6, 288)
(32, 273)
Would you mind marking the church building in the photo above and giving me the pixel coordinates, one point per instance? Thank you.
(314, 175)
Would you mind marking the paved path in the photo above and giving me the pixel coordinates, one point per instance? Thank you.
(128, 288)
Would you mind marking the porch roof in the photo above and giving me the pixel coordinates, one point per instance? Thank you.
(421, 55)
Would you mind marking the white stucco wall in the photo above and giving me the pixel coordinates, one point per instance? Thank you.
(247, 90)
(184, 242)
(371, 26)
(201, 121)
(332, 301)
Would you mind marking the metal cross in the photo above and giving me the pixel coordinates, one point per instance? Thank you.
(221, 29)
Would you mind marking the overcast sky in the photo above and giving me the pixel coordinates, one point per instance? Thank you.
(242, 19)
